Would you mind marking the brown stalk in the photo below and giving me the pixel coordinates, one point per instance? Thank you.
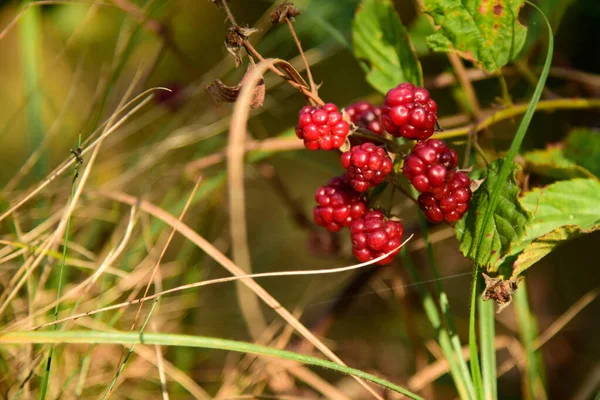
(313, 87)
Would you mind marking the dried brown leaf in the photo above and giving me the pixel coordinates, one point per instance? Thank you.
(283, 11)
(222, 93)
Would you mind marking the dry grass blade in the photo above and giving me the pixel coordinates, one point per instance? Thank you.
(219, 257)
(65, 166)
(215, 281)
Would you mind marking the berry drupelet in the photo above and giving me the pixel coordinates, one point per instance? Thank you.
(409, 112)
(449, 202)
(366, 165)
(366, 115)
(429, 164)
(374, 235)
(337, 204)
(322, 127)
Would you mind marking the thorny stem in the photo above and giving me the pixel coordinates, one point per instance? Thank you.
(313, 87)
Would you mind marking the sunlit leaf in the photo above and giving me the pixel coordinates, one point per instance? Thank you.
(486, 32)
(382, 44)
(542, 246)
(578, 157)
(561, 211)
(574, 202)
(552, 162)
(583, 147)
(506, 225)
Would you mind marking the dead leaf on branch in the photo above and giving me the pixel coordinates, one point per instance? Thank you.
(234, 41)
(222, 93)
(283, 11)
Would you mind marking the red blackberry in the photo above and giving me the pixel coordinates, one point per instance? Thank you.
(449, 202)
(366, 115)
(322, 127)
(373, 235)
(428, 164)
(337, 204)
(366, 165)
(409, 111)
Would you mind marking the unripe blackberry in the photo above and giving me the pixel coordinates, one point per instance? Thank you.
(409, 112)
(337, 204)
(322, 127)
(449, 202)
(366, 165)
(374, 235)
(366, 115)
(428, 165)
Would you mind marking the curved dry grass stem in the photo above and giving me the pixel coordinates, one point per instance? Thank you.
(220, 280)
(220, 258)
(247, 301)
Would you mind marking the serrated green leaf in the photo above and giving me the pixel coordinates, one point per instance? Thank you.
(542, 246)
(552, 162)
(561, 211)
(486, 32)
(573, 202)
(506, 225)
(583, 147)
(382, 44)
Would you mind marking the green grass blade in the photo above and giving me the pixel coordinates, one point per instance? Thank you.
(31, 25)
(495, 196)
(164, 339)
(445, 307)
(521, 131)
(475, 368)
(488, 351)
(459, 372)
(534, 378)
(46, 378)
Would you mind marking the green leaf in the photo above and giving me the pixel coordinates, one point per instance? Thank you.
(552, 162)
(542, 246)
(165, 339)
(382, 44)
(486, 32)
(506, 225)
(554, 10)
(561, 211)
(574, 202)
(418, 32)
(583, 147)
(579, 157)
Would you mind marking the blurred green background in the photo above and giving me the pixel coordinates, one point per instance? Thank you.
(64, 69)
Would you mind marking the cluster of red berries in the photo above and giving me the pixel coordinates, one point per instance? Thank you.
(431, 167)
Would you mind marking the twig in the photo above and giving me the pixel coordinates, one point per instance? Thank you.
(465, 84)
(305, 91)
(313, 87)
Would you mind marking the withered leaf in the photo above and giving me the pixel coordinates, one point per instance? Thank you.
(234, 41)
(222, 93)
(283, 11)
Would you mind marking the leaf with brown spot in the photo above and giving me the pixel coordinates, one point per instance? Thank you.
(222, 93)
(486, 32)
